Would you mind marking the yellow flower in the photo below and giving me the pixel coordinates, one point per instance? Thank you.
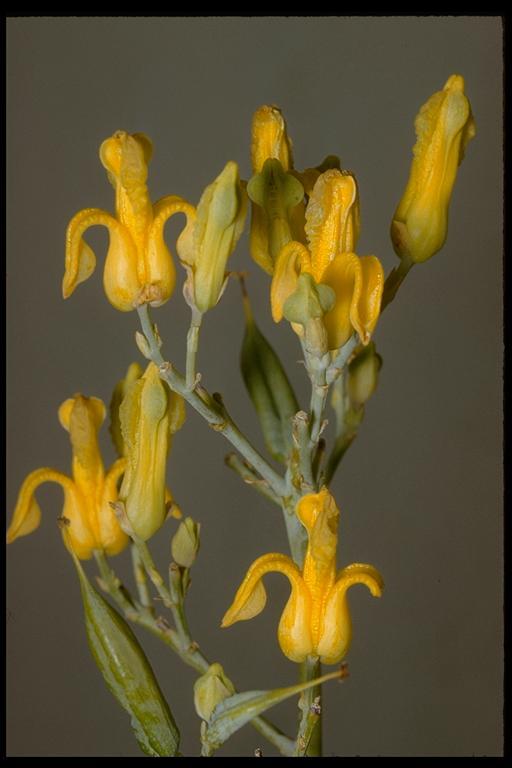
(91, 522)
(214, 231)
(278, 208)
(139, 267)
(149, 414)
(444, 126)
(332, 229)
(316, 619)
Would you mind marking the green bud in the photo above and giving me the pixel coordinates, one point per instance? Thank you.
(306, 306)
(363, 374)
(185, 542)
(210, 689)
(309, 301)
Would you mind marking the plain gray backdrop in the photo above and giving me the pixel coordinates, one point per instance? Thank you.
(420, 491)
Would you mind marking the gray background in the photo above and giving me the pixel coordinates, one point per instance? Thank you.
(421, 489)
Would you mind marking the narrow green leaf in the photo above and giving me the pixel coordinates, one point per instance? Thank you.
(269, 389)
(127, 673)
(235, 711)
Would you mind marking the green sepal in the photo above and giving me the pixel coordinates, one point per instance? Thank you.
(127, 673)
(235, 711)
(133, 373)
(277, 192)
(269, 389)
(309, 301)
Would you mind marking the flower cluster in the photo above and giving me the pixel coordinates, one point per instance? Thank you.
(304, 233)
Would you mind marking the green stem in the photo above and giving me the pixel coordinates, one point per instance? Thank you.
(192, 656)
(319, 390)
(297, 536)
(393, 282)
(114, 587)
(141, 581)
(192, 346)
(205, 405)
(338, 364)
(250, 476)
(309, 736)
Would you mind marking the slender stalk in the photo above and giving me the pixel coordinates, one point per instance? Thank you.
(141, 581)
(207, 407)
(192, 655)
(192, 347)
(114, 587)
(393, 282)
(302, 470)
(309, 737)
(338, 364)
(319, 392)
(297, 537)
(250, 476)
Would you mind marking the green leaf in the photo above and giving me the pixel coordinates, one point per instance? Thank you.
(235, 711)
(269, 389)
(127, 673)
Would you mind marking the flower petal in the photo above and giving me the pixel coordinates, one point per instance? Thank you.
(120, 277)
(332, 219)
(270, 139)
(344, 276)
(82, 417)
(27, 513)
(112, 537)
(290, 262)
(336, 627)
(365, 306)
(160, 270)
(294, 632)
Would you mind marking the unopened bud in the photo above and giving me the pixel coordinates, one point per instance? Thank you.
(185, 542)
(363, 375)
(210, 689)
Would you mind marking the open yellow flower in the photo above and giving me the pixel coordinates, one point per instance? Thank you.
(139, 267)
(444, 126)
(332, 229)
(149, 414)
(316, 619)
(87, 493)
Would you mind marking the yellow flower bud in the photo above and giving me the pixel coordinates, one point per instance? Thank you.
(185, 542)
(210, 689)
(274, 221)
(149, 414)
(139, 267)
(90, 522)
(217, 228)
(444, 126)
